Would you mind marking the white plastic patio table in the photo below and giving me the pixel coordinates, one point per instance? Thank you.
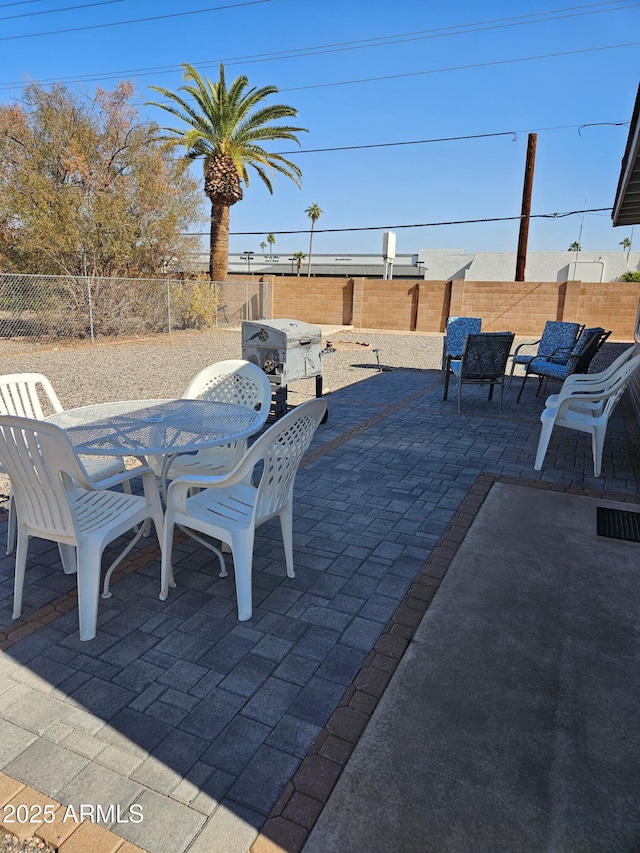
(143, 428)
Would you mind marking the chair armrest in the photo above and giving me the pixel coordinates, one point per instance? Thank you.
(186, 482)
(118, 479)
(559, 356)
(567, 400)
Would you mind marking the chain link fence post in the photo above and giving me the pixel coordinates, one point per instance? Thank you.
(169, 306)
(91, 329)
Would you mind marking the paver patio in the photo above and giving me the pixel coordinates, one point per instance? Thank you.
(202, 720)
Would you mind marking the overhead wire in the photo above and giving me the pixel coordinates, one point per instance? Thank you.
(63, 9)
(19, 3)
(512, 133)
(461, 67)
(133, 21)
(412, 225)
(378, 41)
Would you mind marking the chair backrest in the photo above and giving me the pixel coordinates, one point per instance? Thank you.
(23, 394)
(558, 335)
(232, 381)
(623, 358)
(279, 451)
(585, 349)
(485, 355)
(608, 395)
(619, 384)
(608, 372)
(457, 330)
(41, 462)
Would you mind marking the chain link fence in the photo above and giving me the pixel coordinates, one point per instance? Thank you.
(37, 310)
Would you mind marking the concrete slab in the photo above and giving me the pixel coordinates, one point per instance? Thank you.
(511, 722)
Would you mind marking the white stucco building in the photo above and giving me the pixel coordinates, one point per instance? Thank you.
(446, 264)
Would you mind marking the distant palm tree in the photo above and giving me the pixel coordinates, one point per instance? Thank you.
(298, 256)
(224, 126)
(314, 213)
(575, 247)
(626, 246)
(263, 246)
(271, 240)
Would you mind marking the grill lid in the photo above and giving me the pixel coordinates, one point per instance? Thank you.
(280, 332)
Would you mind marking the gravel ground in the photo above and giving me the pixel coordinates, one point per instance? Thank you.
(163, 365)
(10, 844)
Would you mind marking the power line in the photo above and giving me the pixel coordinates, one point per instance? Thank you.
(295, 53)
(133, 21)
(414, 225)
(513, 133)
(64, 9)
(461, 67)
(19, 3)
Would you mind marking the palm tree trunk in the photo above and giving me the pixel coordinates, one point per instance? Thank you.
(310, 244)
(219, 241)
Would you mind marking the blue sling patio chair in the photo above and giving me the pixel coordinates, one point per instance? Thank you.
(483, 361)
(556, 335)
(453, 342)
(564, 363)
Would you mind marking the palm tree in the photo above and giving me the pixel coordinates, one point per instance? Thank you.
(626, 246)
(224, 126)
(263, 246)
(575, 247)
(298, 256)
(314, 213)
(271, 239)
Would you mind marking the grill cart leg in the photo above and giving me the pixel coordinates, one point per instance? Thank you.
(278, 401)
(319, 394)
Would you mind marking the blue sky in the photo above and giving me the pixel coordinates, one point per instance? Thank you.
(443, 69)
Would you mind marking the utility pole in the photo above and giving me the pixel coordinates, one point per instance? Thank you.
(523, 237)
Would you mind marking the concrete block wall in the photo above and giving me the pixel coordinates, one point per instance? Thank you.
(313, 300)
(515, 306)
(610, 304)
(381, 304)
(433, 305)
(423, 306)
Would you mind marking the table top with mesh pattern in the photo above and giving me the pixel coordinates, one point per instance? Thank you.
(155, 427)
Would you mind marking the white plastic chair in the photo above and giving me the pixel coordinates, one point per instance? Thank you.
(586, 406)
(233, 381)
(58, 501)
(23, 395)
(578, 379)
(229, 506)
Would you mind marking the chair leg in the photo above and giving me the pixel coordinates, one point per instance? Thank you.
(445, 378)
(491, 384)
(12, 525)
(68, 558)
(89, 559)
(242, 548)
(166, 570)
(501, 394)
(597, 446)
(286, 525)
(524, 379)
(18, 581)
(459, 393)
(543, 443)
